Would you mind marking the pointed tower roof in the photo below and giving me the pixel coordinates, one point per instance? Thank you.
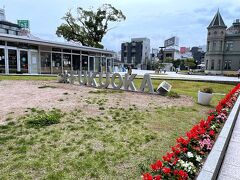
(217, 21)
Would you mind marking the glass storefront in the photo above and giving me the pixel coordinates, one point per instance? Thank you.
(76, 62)
(109, 65)
(67, 62)
(16, 57)
(104, 65)
(91, 63)
(84, 63)
(56, 63)
(45, 62)
(2, 61)
(12, 60)
(97, 64)
(24, 61)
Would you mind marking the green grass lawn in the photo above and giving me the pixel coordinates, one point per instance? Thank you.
(28, 78)
(118, 144)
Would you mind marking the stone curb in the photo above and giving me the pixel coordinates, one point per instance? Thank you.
(214, 160)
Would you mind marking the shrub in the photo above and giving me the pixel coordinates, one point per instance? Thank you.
(43, 119)
(207, 90)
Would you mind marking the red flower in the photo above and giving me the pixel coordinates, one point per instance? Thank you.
(184, 149)
(176, 149)
(182, 141)
(166, 170)
(157, 165)
(175, 161)
(147, 176)
(158, 177)
(168, 157)
(154, 167)
(198, 132)
(175, 172)
(210, 118)
(183, 174)
(211, 133)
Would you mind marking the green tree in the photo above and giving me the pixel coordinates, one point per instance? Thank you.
(157, 65)
(89, 27)
(176, 63)
(168, 60)
(190, 63)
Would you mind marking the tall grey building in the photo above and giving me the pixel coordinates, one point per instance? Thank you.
(223, 47)
(136, 52)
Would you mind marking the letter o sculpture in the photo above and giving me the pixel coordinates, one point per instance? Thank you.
(114, 85)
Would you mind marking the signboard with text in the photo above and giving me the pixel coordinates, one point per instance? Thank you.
(23, 24)
(173, 41)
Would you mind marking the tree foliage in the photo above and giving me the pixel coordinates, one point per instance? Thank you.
(168, 60)
(89, 27)
(190, 62)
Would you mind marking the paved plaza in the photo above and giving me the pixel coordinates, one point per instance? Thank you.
(173, 75)
(230, 169)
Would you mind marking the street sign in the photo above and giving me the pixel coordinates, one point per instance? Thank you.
(23, 24)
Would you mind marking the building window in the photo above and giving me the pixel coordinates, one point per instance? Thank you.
(206, 64)
(125, 60)
(67, 50)
(133, 59)
(212, 65)
(2, 61)
(229, 46)
(12, 44)
(208, 44)
(214, 45)
(215, 32)
(75, 51)
(221, 45)
(67, 62)
(4, 31)
(56, 63)
(219, 64)
(12, 32)
(45, 62)
(85, 63)
(2, 43)
(76, 62)
(12, 60)
(24, 61)
(57, 49)
(97, 64)
(227, 64)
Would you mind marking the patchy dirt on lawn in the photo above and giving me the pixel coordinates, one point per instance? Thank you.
(17, 98)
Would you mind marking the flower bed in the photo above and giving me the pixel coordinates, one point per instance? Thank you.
(186, 158)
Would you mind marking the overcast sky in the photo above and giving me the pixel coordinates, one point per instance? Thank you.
(155, 19)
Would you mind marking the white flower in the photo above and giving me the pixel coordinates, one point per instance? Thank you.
(190, 155)
(198, 158)
(213, 127)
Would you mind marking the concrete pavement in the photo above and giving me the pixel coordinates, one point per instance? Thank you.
(230, 168)
(173, 75)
